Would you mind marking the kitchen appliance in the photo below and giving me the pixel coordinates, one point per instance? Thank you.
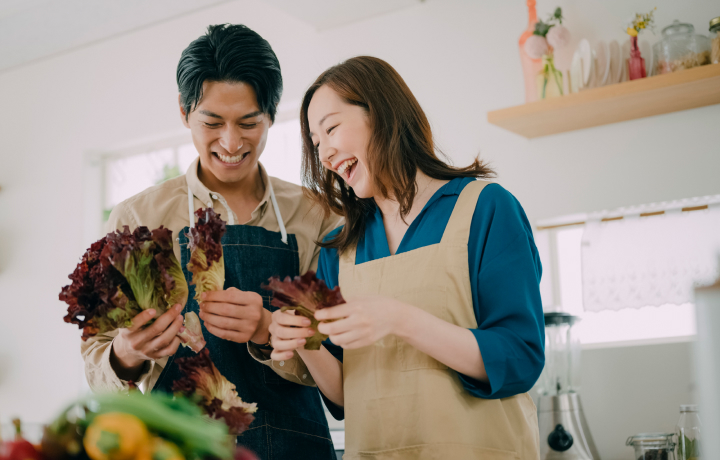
(564, 433)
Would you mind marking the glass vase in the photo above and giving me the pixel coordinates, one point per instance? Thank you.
(550, 80)
(636, 63)
(530, 66)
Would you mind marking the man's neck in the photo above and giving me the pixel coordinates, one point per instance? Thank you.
(242, 196)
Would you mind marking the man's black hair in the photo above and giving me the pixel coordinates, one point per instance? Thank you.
(230, 53)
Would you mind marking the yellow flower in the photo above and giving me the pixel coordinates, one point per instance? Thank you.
(632, 32)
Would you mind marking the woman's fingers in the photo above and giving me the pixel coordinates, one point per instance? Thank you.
(277, 355)
(337, 312)
(346, 338)
(289, 318)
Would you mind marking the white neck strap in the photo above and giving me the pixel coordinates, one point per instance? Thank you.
(281, 224)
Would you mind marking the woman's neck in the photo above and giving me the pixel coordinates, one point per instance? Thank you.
(396, 225)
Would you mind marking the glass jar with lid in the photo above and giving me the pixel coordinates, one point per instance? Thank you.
(688, 433)
(653, 446)
(681, 48)
(715, 35)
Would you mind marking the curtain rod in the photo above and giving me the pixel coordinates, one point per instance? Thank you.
(608, 219)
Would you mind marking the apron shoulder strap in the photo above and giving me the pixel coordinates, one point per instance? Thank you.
(458, 227)
(347, 261)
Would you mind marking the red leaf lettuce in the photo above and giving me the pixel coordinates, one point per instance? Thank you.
(305, 294)
(203, 383)
(206, 258)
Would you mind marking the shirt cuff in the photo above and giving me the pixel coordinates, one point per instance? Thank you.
(104, 377)
(293, 370)
(494, 360)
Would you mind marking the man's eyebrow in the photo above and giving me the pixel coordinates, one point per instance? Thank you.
(322, 120)
(251, 115)
(210, 114)
(215, 115)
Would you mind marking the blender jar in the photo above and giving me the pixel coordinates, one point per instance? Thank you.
(681, 48)
(653, 446)
(562, 356)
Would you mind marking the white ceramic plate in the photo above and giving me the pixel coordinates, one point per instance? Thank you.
(576, 75)
(615, 62)
(602, 63)
(588, 68)
(625, 54)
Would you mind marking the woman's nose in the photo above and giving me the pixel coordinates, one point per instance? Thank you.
(326, 154)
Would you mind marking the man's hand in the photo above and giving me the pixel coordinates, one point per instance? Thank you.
(135, 345)
(235, 315)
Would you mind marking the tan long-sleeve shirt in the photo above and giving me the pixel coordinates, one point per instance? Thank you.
(167, 204)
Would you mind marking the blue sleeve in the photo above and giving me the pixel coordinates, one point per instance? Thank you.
(506, 266)
(328, 271)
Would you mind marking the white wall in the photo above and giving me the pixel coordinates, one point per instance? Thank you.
(459, 57)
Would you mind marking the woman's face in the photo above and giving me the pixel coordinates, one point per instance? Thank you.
(341, 135)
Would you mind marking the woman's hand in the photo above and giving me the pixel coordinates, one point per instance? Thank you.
(288, 332)
(362, 321)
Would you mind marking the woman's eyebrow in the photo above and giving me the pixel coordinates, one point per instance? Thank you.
(322, 120)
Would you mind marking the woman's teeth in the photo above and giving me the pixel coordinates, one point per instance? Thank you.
(229, 159)
(345, 165)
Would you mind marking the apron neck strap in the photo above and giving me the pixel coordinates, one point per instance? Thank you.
(281, 223)
(458, 227)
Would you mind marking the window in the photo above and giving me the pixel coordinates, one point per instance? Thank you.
(129, 172)
(640, 286)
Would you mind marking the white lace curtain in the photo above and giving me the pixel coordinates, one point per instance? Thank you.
(652, 260)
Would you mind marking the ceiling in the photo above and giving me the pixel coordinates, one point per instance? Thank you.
(33, 30)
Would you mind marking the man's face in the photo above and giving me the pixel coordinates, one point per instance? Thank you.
(229, 131)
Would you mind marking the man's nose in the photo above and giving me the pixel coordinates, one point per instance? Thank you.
(231, 140)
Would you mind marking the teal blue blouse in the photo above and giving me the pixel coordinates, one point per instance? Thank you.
(506, 271)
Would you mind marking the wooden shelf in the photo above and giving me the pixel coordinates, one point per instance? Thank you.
(629, 100)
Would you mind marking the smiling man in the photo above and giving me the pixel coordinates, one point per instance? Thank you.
(230, 85)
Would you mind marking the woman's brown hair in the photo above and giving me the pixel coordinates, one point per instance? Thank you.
(401, 142)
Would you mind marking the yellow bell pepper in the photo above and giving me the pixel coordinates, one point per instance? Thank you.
(160, 449)
(115, 436)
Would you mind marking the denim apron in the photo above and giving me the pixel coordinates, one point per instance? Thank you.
(290, 422)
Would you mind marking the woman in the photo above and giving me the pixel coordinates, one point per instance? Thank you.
(442, 334)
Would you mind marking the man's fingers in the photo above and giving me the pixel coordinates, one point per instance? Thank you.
(231, 295)
(337, 312)
(171, 349)
(223, 322)
(162, 323)
(166, 337)
(141, 319)
(226, 334)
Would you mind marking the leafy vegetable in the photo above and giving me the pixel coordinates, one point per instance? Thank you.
(305, 294)
(173, 418)
(206, 259)
(124, 274)
(203, 383)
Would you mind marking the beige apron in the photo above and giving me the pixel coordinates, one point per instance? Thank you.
(399, 402)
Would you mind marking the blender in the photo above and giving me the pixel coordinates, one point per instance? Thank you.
(564, 433)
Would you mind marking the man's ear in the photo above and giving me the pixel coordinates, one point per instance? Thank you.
(183, 114)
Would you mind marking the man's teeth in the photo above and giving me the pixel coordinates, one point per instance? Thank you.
(346, 164)
(229, 159)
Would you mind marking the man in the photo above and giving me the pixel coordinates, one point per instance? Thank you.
(230, 85)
